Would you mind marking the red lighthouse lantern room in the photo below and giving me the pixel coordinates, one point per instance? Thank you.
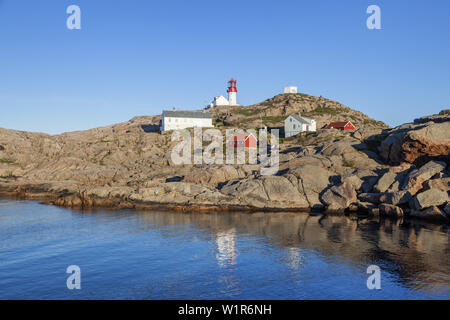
(232, 85)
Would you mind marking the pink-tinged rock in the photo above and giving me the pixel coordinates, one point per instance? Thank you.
(396, 198)
(416, 178)
(385, 182)
(339, 197)
(418, 143)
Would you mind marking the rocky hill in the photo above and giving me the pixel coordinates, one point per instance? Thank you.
(376, 170)
(274, 111)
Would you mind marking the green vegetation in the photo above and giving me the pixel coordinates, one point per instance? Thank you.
(337, 138)
(273, 119)
(348, 163)
(372, 122)
(354, 118)
(6, 161)
(266, 120)
(307, 139)
(248, 112)
(268, 104)
(325, 110)
(300, 139)
(218, 122)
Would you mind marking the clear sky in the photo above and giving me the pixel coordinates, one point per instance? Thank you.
(137, 57)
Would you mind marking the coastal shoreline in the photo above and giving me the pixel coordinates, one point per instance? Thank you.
(115, 204)
(392, 172)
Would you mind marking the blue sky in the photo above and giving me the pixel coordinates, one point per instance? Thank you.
(138, 57)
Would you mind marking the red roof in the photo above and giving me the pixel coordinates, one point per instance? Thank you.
(340, 125)
(337, 124)
(243, 136)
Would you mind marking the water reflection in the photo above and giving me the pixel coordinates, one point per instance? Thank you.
(159, 255)
(226, 247)
(417, 252)
(294, 257)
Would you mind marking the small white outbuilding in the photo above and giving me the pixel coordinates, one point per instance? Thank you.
(219, 101)
(290, 89)
(295, 124)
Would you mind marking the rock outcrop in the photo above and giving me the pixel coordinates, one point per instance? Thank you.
(273, 111)
(428, 138)
(415, 179)
(339, 198)
(429, 198)
(392, 172)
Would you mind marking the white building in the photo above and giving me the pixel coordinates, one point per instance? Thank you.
(290, 89)
(295, 123)
(178, 119)
(219, 101)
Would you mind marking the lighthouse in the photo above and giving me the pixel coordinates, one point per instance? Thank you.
(221, 100)
(232, 91)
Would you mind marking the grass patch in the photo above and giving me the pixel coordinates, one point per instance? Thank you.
(273, 119)
(248, 112)
(325, 110)
(6, 161)
(338, 138)
(372, 122)
(267, 121)
(354, 118)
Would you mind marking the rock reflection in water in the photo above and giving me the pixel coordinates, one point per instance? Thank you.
(419, 253)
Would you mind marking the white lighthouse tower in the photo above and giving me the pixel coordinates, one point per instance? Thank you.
(232, 91)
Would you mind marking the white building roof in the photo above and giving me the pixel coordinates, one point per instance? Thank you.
(187, 114)
(302, 119)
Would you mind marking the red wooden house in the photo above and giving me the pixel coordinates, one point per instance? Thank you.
(247, 140)
(341, 125)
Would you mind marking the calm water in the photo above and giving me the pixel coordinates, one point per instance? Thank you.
(164, 255)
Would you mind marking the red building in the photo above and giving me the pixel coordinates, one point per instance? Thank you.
(248, 140)
(341, 126)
